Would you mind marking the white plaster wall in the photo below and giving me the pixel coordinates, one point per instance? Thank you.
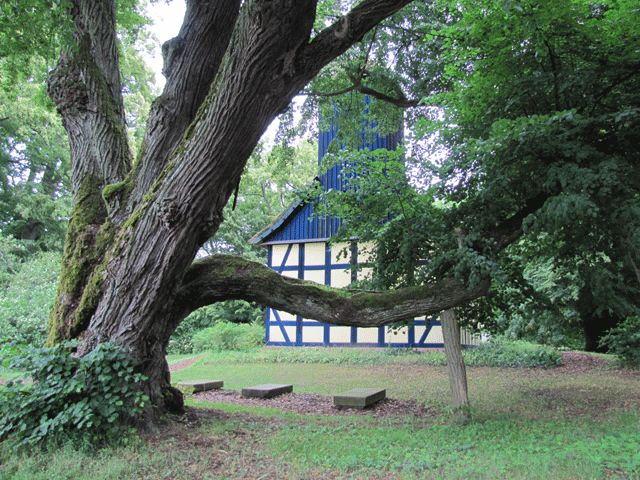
(340, 278)
(275, 334)
(340, 335)
(340, 252)
(278, 252)
(314, 276)
(367, 335)
(314, 253)
(312, 334)
(396, 335)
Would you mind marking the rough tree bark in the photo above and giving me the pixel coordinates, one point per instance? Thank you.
(128, 272)
(456, 368)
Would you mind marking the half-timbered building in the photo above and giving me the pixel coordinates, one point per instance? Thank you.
(299, 245)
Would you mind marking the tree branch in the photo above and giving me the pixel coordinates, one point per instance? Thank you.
(87, 91)
(222, 277)
(510, 230)
(402, 102)
(347, 30)
(191, 61)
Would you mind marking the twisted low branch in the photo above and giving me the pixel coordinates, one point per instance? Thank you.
(223, 277)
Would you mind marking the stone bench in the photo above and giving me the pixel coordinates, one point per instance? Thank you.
(268, 390)
(359, 398)
(196, 386)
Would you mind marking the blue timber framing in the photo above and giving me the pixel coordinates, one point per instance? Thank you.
(273, 318)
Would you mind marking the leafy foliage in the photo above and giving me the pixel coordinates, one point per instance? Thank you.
(547, 92)
(232, 311)
(87, 399)
(229, 336)
(624, 341)
(34, 152)
(27, 298)
(502, 353)
(34, 164)
(531, 112)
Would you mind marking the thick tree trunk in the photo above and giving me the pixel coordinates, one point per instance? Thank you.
(86, 88)
(456, 367)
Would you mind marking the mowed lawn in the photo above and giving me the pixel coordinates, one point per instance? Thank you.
(561, 423)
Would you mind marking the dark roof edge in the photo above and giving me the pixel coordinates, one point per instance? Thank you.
(277, 223)
(297, 240)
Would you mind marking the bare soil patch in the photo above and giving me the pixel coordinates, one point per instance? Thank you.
(579, 362)
(313, 404)
(187, 362)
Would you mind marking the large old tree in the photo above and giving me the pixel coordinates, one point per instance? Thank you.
(128, 272)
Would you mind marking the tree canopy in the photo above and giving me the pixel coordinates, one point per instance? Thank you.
(534, 116)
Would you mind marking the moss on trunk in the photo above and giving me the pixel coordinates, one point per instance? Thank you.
(88, 237)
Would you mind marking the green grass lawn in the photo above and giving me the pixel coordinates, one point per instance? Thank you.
(171, 359)
(495, 392)
(528, 423)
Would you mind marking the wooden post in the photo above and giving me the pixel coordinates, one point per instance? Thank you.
(455, 367)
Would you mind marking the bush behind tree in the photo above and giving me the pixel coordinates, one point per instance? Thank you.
(624, 341)
(233, 311)
(497, 353)
(27, 298)
(229, 336)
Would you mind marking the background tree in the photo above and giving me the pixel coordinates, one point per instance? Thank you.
(560, 108)
(34, 159)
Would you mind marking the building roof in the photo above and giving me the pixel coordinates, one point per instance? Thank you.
(299, 223)
(259, 237)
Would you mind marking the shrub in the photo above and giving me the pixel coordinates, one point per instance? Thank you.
(26, 300)
(87, 399)
(182, 339)
(624, 341)
(229, 336)
(519, 354)
(233, 311)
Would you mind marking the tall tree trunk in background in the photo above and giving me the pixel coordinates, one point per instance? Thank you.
(595, 325)
(456, 367)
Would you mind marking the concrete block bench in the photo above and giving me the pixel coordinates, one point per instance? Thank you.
(359, 398)
(268, 390)
(196, 386)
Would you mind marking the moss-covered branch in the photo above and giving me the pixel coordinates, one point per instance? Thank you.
(222, 277)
